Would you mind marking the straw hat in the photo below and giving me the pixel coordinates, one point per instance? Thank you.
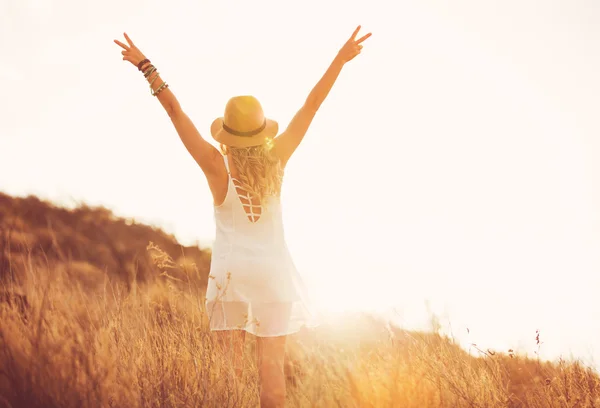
(244, 124)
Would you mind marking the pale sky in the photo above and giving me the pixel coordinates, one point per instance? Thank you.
(455, 160)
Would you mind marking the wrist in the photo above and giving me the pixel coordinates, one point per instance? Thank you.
(338, 61)
(145, 66)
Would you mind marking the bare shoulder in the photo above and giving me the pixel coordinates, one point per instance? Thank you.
(287, 142)
(218, 178)
(214, 164)
(278, 148)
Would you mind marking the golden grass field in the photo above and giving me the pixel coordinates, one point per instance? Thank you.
(98, 311)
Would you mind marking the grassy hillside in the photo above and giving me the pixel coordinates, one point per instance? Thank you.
(90, 245)
(91, 315)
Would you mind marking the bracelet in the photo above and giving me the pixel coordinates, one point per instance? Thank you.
(148, 68)
(141, 63)
(162, 87)
(149, 71)
(154, 79)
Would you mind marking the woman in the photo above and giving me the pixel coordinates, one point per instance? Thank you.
(254, 286)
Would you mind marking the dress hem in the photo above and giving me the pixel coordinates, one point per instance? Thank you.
(252, 332)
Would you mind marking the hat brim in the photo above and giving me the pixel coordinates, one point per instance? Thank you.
(228, 139)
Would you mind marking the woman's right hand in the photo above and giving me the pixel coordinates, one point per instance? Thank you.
(352, 47)
(130, 52)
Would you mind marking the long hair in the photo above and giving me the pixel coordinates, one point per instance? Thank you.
(259, 170)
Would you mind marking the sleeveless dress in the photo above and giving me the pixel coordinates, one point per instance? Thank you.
(253, 283)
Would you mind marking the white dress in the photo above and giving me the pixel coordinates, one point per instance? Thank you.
(253, 283)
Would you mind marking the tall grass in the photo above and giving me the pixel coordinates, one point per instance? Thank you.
(92, 317)
(150, 347)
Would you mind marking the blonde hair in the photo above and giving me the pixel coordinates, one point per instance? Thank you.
(259, 170)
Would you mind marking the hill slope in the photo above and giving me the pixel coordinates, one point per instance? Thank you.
(82, 339)
(90, 243)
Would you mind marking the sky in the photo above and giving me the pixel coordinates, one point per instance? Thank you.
(454, 164)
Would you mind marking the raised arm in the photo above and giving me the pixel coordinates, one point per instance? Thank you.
(288, 141)
(206, 155)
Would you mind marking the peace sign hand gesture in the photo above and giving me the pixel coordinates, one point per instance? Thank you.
(130, 52)
(352, 47)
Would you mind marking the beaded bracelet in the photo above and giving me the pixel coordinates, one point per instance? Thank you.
(162, 87)
(142, 62)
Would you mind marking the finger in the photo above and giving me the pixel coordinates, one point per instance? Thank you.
(124, 52)
(122, 45)
(355, 32)
(128, 40)
(364, 37)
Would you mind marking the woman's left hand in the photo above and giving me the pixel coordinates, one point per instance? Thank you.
(352, 47)
(130, 52)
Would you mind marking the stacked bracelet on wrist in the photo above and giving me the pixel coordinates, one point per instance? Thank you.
(162, 86)
(151, 69)
(141, 63)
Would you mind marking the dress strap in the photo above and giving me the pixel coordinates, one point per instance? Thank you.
(226, 163)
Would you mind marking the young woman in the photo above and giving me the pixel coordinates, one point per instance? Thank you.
(254, 286)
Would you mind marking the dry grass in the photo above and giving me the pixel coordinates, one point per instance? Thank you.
(74, 334)
(151, 348)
